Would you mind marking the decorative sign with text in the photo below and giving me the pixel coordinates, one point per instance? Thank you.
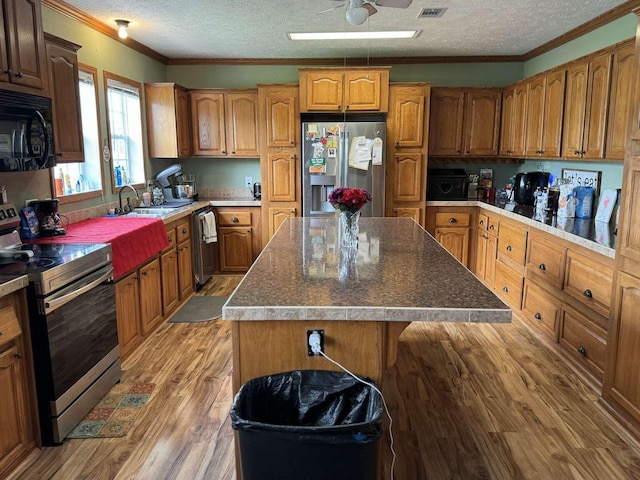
(584, 178)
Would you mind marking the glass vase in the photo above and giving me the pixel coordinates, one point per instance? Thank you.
(349, 229)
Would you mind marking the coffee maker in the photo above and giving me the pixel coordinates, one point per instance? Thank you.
(48, 219)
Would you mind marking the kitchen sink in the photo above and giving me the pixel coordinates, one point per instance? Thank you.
(148, 211)
(147, 214)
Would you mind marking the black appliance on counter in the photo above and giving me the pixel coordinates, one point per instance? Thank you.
(447, 184)
(257, 190)
(72, 315)
(526, 184)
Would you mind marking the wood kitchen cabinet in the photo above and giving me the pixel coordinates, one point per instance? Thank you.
(169, 269)
(514, 120)
(277, 215)
(545, 111)
(619, 104)
(150, 296)
(17, 397)
(64, 88)
(186, 281)
(407, 134)
(452, 231)
(168, 120)
(239, 240)
(465, 121)
(487, 249)
(586, 104)
(23, 60)
(344, 89)
(224, 123)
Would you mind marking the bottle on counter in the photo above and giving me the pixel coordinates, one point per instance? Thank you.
(118, 176)
(3, 195)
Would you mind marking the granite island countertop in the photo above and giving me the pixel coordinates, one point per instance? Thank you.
(399, 273)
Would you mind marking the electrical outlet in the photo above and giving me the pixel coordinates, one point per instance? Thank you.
(248, 182)
(309, 333)
(540, 167)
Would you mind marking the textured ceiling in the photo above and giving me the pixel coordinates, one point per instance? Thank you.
(230, 29)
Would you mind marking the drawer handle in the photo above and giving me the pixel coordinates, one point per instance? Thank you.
(234, 219)
(543, 266)
(492, 227)
(18, 355)
(452, 220)
(538, 316)
(582, 351)
(505, 289)
(481, 222)
(587, 293)
(509, 248)
(184, 230)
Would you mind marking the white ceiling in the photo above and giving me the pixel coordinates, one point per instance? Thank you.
(230, 29)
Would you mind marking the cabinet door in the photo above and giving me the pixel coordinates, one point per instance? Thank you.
(575, 107)
(207, 111)
(4, 57)
(597, 107)
(481, 253)
(482, 122)
(408, 175)
(277, 216)
(535, 117)
(65, 98)
(491, 259)
(456, 241)
(541, 309)
(236, 253)
(628, 231)
(409, 212)
(520, 113)
(324, 91)
(362, 91)
(185, 269)
(169, 269)
(25, 43)
(183, 121)
(282, 176)
(128, 313)
(446, 117)
(553, 114)
(150, 296)
(281, 121)
(620, 104)
(408, 117)
(241, 117)
(506, 127)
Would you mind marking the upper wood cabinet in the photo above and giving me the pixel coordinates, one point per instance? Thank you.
(280, 120)
(514, 120)
(23, 63)
(65, 99)
(168, 120)
(465, 121)
(407, 109)
(344, 89)
(586, 103)
(619, 102)
(225, 123)
(545, 109)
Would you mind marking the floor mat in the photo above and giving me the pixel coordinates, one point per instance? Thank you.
(199, 309)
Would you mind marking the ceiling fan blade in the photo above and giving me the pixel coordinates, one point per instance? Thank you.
(394, 3)
(371, 8)
(333, 8)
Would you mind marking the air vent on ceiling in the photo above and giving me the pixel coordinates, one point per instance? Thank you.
(431, 12)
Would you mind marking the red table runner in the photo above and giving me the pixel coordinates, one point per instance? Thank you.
(133, 240)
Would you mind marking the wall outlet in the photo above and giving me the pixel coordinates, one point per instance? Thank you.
(540, 167)
(248, 182)
(310, 352)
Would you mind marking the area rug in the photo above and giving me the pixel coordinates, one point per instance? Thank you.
(115, 414)
(199, 309)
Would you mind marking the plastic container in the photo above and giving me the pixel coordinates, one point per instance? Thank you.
(307, 424)
(584, 205)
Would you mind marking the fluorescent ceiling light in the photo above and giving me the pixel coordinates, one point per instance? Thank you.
(352, 35)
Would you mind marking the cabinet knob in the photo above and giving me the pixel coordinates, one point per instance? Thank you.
(184, 230)
(339, 107)
(453, 220)
(509, 248)
(224, 152)
(481, 222)
(492, 227)
(169, 239)
(542, 266)
(7, 71)
(467, 152)
(234, 219)
(397, 143)
(582, 351)
(144, 274)
(292, 143)
(18, 355)
(19, 75)
(1, 333)
(505, 289)
(538, 316)
(233, 152)
(587, 293)
(577, 152)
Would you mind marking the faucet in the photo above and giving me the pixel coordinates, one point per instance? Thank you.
(128, 206)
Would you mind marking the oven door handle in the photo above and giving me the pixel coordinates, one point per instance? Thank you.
(83, 286)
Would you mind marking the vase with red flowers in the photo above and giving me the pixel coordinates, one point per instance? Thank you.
(349, 201)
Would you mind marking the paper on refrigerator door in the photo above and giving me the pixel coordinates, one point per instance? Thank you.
(360, 153)
(377, 151)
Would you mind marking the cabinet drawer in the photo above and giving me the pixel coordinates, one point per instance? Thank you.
(450, 219)
(541, 309)
(171, 237)
(508, 285)
(234, 219)
(493, 225)
(546, 261)
(512, 243)
(483, 222)
(183, 231)
(582, 341)
(589, 282)
(9, 325)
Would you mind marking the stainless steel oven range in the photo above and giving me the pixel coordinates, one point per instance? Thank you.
(72, 315)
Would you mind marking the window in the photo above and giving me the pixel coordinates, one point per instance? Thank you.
(80, 180)
(124, 114)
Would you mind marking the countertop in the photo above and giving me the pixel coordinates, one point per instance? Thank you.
(398, 273)
(12, 283)
(597, 236)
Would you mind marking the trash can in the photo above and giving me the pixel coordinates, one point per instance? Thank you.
(307, 424)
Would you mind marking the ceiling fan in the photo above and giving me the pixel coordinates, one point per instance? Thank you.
(359, 10)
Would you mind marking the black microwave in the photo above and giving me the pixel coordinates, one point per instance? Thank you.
(26, 132)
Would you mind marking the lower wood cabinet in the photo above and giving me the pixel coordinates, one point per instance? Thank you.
(509, 285)
(150, 296)
(541, 309)
(584, 340)
(238, 238)
(453, 232)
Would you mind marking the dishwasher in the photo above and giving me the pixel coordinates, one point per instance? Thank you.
(203, 253)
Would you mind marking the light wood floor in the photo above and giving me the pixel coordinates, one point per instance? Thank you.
(468, 402)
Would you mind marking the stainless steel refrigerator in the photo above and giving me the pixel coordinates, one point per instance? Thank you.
(335, 154)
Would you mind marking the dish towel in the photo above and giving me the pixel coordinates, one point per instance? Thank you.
(209, 228)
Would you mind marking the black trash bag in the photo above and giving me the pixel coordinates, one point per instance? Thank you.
(307, 424)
